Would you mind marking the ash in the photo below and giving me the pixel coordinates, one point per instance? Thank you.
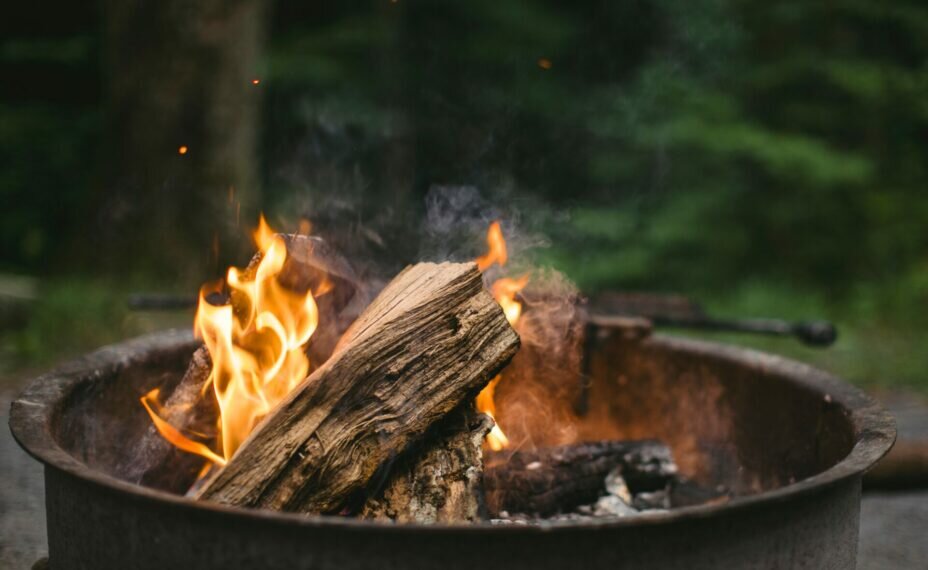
(618, 502)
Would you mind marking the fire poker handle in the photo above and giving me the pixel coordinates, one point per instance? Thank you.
(810, 333)
(816, 333)
(160, 302)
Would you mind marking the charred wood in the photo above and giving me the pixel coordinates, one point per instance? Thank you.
(558, 479)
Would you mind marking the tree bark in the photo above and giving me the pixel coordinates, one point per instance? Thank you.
(430, 341)
(440, 479)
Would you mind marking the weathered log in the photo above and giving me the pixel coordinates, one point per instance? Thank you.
(430, 341)
(192, 409)
(439, 478)
(558, 479)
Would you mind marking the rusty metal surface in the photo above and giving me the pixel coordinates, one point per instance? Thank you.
(98, 521)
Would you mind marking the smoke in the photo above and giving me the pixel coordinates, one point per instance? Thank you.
(536, 394)
(456, 222)
(535, 398)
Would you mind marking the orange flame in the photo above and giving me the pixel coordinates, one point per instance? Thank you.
(256, 345)
(496, 249)
(504, 290)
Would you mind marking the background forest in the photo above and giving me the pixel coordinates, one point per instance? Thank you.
(766, 159)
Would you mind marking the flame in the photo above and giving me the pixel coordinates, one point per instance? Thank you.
(504, 290)
(496, 439)
(496, 249)
(256, 343)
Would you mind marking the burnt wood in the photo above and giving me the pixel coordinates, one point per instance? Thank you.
(558, 479)
(430, 341)
(154, 461)
(439, 479)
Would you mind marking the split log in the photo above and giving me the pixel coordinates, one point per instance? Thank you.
(310, 265)
(430, 341)
(439, 479)
(558, 479)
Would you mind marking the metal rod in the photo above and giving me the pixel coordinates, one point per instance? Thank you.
(160, 302)
(811, 333)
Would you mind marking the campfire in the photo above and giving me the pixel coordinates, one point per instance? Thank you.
(312, 414)
(438, 403)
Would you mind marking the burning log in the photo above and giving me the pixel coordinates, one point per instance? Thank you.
(310, 265)
(428, 342)
(438, 480)
(557, 479)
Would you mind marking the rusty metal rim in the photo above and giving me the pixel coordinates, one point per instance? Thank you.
(32, 411)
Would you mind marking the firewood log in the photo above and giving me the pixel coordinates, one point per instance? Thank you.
(439, 479)
(558, 479)
(430, 341)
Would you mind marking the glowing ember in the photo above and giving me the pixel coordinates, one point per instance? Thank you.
(257, 348)
(182, 150)
(504, 291)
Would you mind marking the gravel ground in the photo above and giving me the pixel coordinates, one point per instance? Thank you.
(22, 497)
(893, 532)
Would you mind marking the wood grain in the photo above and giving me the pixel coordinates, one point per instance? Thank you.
(430, 341)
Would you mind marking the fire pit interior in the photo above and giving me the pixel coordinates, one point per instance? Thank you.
(728, 426)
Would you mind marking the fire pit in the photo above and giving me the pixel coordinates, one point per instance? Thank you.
(789, 442)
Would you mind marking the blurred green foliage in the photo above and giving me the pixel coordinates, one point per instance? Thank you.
(767, 158)
(71, 316)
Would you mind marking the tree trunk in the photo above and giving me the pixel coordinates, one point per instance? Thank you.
(178, 74)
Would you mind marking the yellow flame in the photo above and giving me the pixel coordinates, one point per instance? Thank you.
(504, 290)
(256, 344)
(496, 439)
